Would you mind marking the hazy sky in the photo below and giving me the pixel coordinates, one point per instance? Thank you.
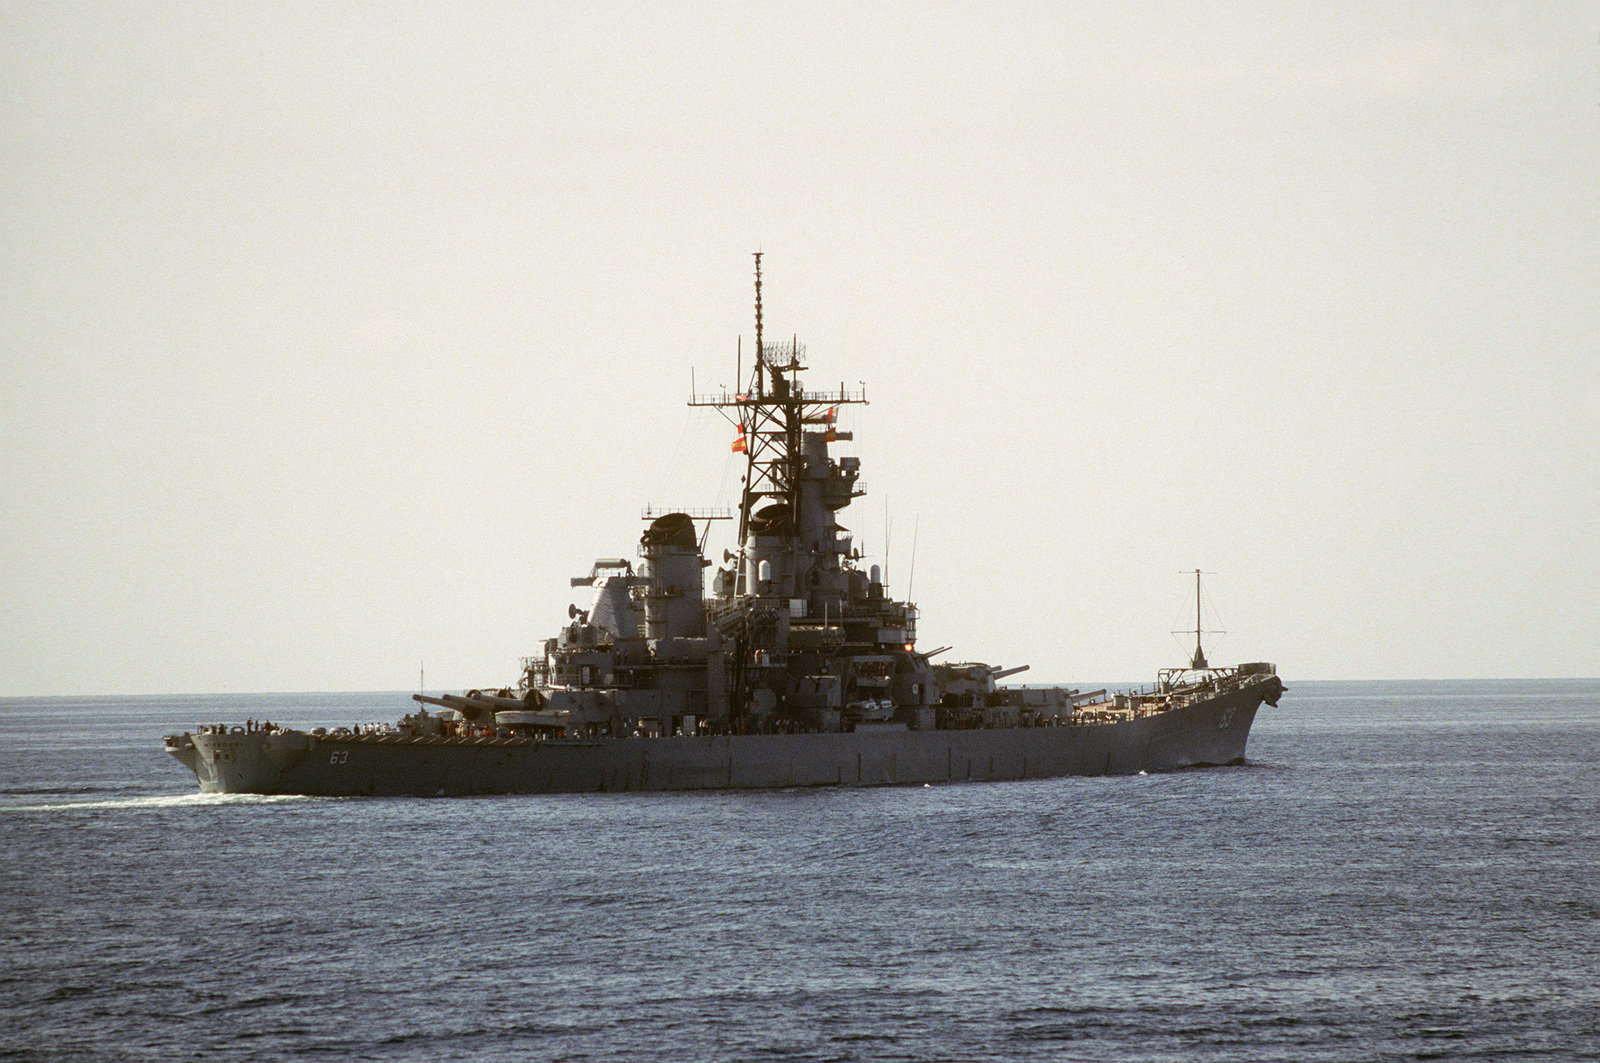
(337, 337)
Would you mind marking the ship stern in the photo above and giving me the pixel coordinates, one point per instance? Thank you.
(239, 762)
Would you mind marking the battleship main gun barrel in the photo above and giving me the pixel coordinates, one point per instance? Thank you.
(494, 710)
(477, 708)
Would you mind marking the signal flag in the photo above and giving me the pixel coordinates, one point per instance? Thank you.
(738, 441)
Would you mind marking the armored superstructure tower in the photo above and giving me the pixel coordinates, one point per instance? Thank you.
(797, 635)
(815, 642)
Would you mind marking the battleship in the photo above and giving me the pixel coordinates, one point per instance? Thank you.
(798, 668)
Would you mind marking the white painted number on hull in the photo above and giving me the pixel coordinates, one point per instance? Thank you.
(339, 756)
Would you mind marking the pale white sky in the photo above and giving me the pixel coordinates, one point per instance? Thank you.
(337, 337)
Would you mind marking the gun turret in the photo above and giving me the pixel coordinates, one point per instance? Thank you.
(471, 708)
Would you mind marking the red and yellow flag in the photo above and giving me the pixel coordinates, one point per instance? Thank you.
(738, 441)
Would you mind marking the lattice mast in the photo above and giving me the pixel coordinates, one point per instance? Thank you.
(783, 431)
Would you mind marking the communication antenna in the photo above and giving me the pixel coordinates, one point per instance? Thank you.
(912, 578)
(888, 538)
(1197, 661)
(761, 358)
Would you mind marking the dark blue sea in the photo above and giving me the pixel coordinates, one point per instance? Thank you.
(1404, 870)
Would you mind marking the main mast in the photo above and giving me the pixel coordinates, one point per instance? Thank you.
(791, 487)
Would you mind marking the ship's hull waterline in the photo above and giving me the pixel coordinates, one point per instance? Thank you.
(1211, 732)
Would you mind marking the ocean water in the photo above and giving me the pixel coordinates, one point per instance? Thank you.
(1402, 871)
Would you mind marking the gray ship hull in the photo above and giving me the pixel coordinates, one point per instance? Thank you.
(1209, 732)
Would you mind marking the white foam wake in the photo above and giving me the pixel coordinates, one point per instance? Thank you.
(194, 800)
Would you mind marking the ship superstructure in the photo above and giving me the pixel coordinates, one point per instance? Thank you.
(798, 635)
